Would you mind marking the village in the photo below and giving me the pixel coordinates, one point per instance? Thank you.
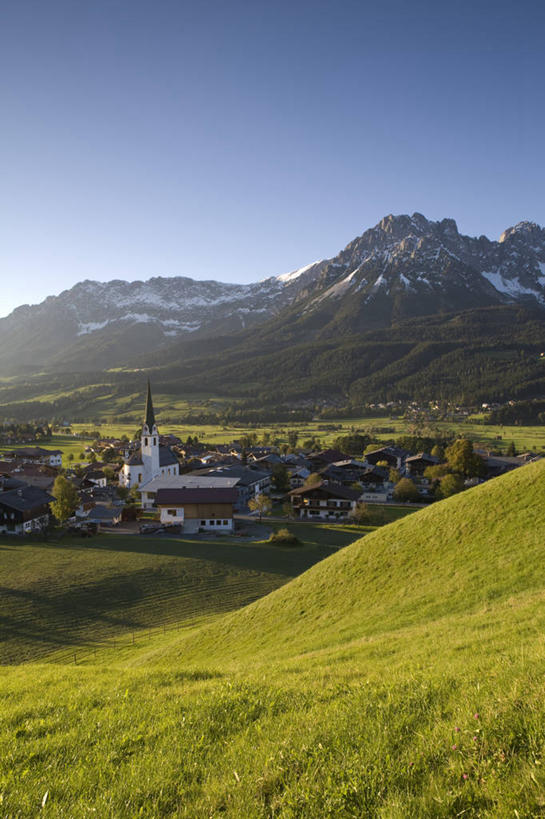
(161, 483)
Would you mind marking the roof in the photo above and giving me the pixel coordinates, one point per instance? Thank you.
(25, 498)
(103, 513)
(166, 457)
(187, 482)
(34, 452)
(149, 419)
(423, 456)
(176, 497)
(333, 490)
(328, 456)
(245, 474)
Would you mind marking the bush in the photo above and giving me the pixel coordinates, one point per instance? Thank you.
(283, 537)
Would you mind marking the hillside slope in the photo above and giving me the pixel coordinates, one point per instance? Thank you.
(401, 677)
(483, 545)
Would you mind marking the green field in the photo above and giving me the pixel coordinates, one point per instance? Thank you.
(402, 676)
(497, 437)
(525, 438)
(66, 597)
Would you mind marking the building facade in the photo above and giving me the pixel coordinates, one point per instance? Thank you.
(152, 459)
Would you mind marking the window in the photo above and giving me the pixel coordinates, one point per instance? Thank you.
(139, 477)
(226, 523)
(145, 441)
(218, 523)
(172, 512)
(155, 442)
(203, 523)
(211, 522)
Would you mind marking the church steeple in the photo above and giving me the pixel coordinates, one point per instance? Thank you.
(149, 418)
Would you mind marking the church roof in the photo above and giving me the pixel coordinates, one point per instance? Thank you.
(166, 457)
(149, 418)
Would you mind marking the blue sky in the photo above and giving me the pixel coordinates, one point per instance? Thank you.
(236, 140)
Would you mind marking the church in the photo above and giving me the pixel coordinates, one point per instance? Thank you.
(152, 460)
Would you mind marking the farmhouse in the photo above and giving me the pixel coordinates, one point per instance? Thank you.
(324, 501)
(23, 508)
(152, 459)
(392, 455)
(35, 455)
(198, 509)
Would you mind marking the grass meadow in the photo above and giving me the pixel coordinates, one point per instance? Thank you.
(401, 676)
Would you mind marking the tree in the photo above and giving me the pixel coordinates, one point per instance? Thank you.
(405, 491)
(360, 514)
(109, 473)
(293, 435)
(261, 504)
(70, 456)
(66, 499)
(280, 478)
(438, 452)
(449, 485)
(511, 449)
(394, 475)
(461, 458)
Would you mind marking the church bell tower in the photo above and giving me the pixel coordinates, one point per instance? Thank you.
(150, 440)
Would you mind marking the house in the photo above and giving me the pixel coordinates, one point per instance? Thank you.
(347, 472)
(198, 509)
(324, 501)
(104, 515)
(392, 455)
(319, 460)
(298, 476)
(148, 492)
(35, 455)
(417, 464)
(23, 508)
(31, 473)
(151, 459)
(251, 481)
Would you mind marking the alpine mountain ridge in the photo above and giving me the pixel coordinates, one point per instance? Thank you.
(404, 267)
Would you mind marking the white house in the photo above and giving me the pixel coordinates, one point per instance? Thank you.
(152, 459)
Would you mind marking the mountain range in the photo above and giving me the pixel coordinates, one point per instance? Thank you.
(405, 266)
(409, 309)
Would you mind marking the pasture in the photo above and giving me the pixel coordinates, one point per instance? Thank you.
(399, 677)
(66, 597)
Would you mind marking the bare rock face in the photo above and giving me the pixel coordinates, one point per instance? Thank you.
(403, 267)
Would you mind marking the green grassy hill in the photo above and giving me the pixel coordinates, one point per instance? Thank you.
(402, 676)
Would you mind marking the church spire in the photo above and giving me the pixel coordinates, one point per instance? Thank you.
(149, 419)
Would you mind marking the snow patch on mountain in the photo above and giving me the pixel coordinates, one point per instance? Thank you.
(290, 277)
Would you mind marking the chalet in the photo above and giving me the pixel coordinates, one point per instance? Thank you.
(34, 474)
(198, 509)
(417, 464)
(23, 508)
(347, 472)
(324, 501)
(375, 477)
(392, 455)
(35, 455)
(319, 460)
